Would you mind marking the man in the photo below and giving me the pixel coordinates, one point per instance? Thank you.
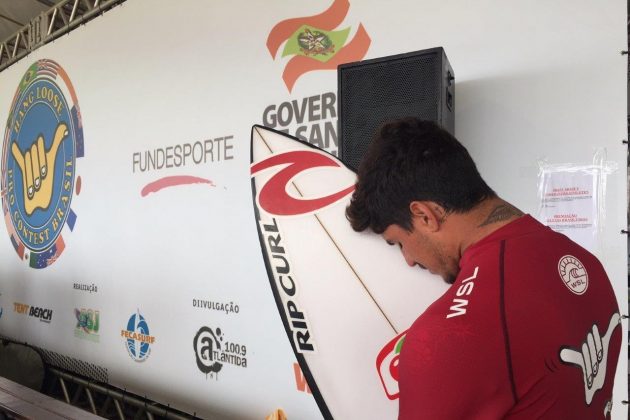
(530, 326)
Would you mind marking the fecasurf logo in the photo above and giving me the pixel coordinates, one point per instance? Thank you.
(315, 44)
(138, 340)
(42, 141)
(573, 274)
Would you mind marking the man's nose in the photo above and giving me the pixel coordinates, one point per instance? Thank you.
(410, 261)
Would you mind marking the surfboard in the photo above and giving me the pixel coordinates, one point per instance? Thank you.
(345, 298)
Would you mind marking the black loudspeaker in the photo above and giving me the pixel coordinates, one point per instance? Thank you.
(370, 92)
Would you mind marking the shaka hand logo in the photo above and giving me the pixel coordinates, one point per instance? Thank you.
(38, 169)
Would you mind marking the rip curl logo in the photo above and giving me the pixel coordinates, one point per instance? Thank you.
(387, 365)
(43, 139)
(573, 274)
(315, 45)
(273, 196)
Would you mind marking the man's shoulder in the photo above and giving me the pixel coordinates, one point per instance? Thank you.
(469, 305)
(522, 246)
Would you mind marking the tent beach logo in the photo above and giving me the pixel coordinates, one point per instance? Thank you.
(43, 138)
(315, 43)
(43, 314)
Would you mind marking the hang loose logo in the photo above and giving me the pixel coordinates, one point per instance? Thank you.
(37, 166)
(592, 357)
(42, 143)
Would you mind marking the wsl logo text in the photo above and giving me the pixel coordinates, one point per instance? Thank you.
(43, 139)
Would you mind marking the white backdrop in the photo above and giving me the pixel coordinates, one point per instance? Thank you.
(534, 80)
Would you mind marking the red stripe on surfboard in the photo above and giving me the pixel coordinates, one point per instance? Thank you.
(273, 197)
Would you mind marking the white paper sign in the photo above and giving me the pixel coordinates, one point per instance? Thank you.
(569, 200)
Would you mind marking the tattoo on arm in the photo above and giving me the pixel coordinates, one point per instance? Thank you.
(500, 213)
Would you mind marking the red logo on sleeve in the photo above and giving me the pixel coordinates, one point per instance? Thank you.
(387, 365)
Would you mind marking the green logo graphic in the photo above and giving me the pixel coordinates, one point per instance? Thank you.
(315, 43)
(87, 324)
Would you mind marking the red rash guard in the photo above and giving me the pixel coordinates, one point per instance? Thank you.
(530, 329)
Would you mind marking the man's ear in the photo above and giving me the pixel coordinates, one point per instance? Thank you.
(426, 216)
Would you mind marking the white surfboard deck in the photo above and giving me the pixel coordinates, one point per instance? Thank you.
(347, 297)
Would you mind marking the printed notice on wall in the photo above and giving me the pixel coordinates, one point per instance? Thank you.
(571, 199)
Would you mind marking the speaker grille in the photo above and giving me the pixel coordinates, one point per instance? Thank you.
(374, 91)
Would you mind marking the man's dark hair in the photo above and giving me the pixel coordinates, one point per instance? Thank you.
(408, 160)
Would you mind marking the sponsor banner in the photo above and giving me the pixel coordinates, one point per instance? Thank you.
(181, 157)
(126, 188)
